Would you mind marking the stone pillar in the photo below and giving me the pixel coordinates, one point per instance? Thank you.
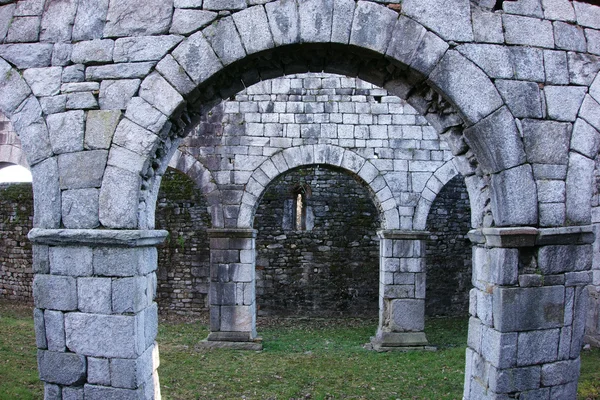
(95, 318)
(232, 289)
(527, 312)
(401, 291)
(592, 332)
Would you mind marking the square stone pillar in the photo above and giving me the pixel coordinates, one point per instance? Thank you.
(592, 332)
(232, 289)
(401, 291)
(95, 316)
(527, 311)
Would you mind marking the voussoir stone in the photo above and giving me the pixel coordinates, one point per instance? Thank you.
(372, 26)
(197, 58)
(135, 18)
(253, 26)
(115, 94)
(284, 20)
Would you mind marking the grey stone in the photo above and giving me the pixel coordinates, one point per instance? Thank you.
(188, 3)
(61, 368)
(451, 22)
(514, 200)
(550, 191)
(23, 30)
(569, 37)
(549, 171)
(494, 60)
(224, 4)
(428, 54)
(585, 139)
(197, 58)
(253, 27)
(30, 7)
(94, 296)
(41, 261)
(343, 14)
(40, 329)
(284, 21)
(471, 90)
(487, 26)
(119, 198)
(531, 8)
(372, 26)
(100, 127)
(13, 87)
(135, 138)
(579, 186)
(143, 114)
(6, 16)
(407, 315)
(536, 347)
(175, 75)
(90, 20)
(568, 391)
(590, 112)
(496, 141)
(132, 18)
(55, 292)
(126, 159)
(587, 15)
(528, 31)
(55, 330)
(522, 98)
(144, 48)
(544, 306)
(98, 371)
(61, 54)
(79, 87)
(27, 55)
(71, 261)
(123, 262)
(560, 259)
(72, 393)
(57, 21)
(528, 63)
(103, 335)
(158, 92)
(81, 101)
(47, 199)
(94, 392)
(556, 66)
(563, 103)
(515, 379)
(53, 105)
(129, 295)
(80, 208)
(66, 131)
(593, 41)
(52, 392)
(93, 51)
(114, 95)
(28, 113)
(558, 10)
(315, 29)
(186, 21)
(546, 142)
(119, 71)
(237, 318)
(583, 68)
(405, 40)
(132, 373)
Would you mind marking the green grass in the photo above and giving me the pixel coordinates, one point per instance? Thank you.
(302, 359)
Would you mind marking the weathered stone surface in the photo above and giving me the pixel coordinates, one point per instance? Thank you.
(142, 113)
(71, 261)
(558, 10)
(91, 51)
(90, 20)
(407, 315)
(158, 92)
(593, 41)
(466, 86)
(284, 21)
(82, 170)
(343, 14)
(186, 21)
(57, 21)
(551, 191)
(583, 68)
(80, 208)
(61, 368)
(528, 63)
(514, 199)
(72, 393)
(253, 27)
(528, 31)
(94, 296)
(17, 91)
(494, 60)
(515, 379)
(81, 101)
(40, 329)
(496, 142)
(23, 30)
(99, 129)
(66, 131)
(129, 295)
(119, 71)
(559, 259)
(556, 66)
(316, 17)
(405, 40)
(123, 262)
(114, 95)
(537, 347)
(569, 37)
(132, 18)
(34, 55)
(55, 292)
(590, 111)
(132, 373)
(144, 48)
(53, 105)
(135, 138)
(55, 330)
(47, 198)
(587, 15)
(579, 189)
(175, 75)
(94, 392)
(452, 21)
(98, 371)
(546, 142)
(119, 198)
(487, 26)
(563, 103)
(585, 139)
(372, 26)
(544, 305)
(6, 16)
(197, 58)
(224, 4)
(531, 8)
(522, 98)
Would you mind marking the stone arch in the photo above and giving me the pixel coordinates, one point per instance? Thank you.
(11, 154)
(295, 157)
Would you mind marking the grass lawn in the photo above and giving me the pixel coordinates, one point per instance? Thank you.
(302, 359)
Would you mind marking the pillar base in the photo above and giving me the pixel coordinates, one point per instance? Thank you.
(400, 341)
(213, 343)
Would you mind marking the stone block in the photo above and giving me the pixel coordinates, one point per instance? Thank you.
(72, 393)
(528, 31)
(28, 55)
(81, 101)
(593, 41)
(224, 4)
(100, 127)
(372, 26)
(119, 198)
(528, 102)
(544, 306)
(44, 81)
(41, 260)
(237, 318)
(82, 170)
(558, 10)
(563, 103)
(94, 295)
(556, 66)
(514, 197)
(582, 68)
(567, 391)
(475, 334)
(55, 330)
(531, 8)
(92, 51)
(406, 315)
(589, 112)
(80, 208)
(546, 142)
(90, 19)
(52, 392)
(514, 379)
(71, 261)
(6, 16)
(135, 138)
(315, 29)
(116, 94)
(47, 199)
(57, 21)
(579, 189)
(560, 373)
(55, 292)
(197, 58)
(284, 21)
(528, 63)
(144, 114)
(536, 347)
(98, 371)
(551, 191)
(186, 21)
(175, 75)
(132, 18)
(94, 392)
(132, 373)
(451, 23)
(569, 37)
(130, 295)
(587, 15)
(158, 92)
(124, 262)
(40, 329)
(253, 27)
(144, 48)
(61, 368)
(559, 259)
(53, 105)
(493, 59)
(119, 71)
(66, 131)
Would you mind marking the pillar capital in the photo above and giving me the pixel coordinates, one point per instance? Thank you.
(527, 236)
(97, 237)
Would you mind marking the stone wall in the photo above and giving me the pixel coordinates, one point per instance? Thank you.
(329, 268)
(449, 251)
(16, 219)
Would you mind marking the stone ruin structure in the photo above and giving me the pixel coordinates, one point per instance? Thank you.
(101, 94)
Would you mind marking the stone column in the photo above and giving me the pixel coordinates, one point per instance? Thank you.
(401, 291)
(527, 312)
(592, 332)
(232, 289)
(95, 318)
